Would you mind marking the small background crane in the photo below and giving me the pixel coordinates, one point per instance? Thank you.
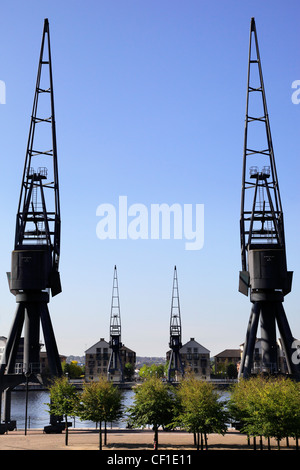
(175, 363)
(115, 367)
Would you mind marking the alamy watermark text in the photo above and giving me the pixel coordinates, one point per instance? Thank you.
(2, 92)
(296, 93)
(159, 222)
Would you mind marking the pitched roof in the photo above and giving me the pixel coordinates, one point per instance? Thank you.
(229, 353)
(100, 344)
(194, 344)
(104, 344)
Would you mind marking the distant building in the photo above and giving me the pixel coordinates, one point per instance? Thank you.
(97, 359)
(226, 357)
(195, 358)
(44, 365)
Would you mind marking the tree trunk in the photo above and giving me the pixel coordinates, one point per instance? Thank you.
(67, 431)
(100, 436)
(155, 442)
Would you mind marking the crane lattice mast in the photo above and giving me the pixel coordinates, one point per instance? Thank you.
(263, 252)
(115, 363)
(175, 363)
(35, 258)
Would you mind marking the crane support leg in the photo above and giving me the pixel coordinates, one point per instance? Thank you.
(268, 336)
(10, 350)
(51, 346)
(247, 358)
(270, 314)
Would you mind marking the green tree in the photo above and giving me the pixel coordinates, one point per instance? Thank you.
(63, 401)
(245, 405)
(153, 404)
(73, 370)
(155, 370)
(279, 410)
(100, 402)
(267, 406)
(201, 411)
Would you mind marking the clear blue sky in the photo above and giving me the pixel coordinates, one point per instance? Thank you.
(150, 104)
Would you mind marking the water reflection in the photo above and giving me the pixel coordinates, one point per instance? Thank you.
(37, 410)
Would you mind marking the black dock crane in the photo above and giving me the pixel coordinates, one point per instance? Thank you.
(115, 366)
(35, 258)
(263, 252)
(175, 363)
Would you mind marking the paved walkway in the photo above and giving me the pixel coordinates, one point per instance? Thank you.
(120, 439)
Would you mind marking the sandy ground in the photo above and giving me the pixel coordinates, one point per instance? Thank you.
(130, 440)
